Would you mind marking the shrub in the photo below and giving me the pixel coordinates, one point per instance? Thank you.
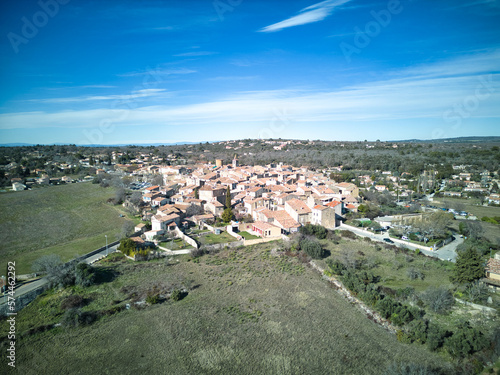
(348, 234)
(72, 302)
(418, 330)
(152, 299)
(414, 273)
(438, 300)
(336, 267)
(465, 341)
(177, 295)
(409, 369)
(46, 263)
(318, 231)
(84, 275)
(435, 336)
(477, 292)
(196, 253)
(62, 276)
(312, 248)
(75, 318)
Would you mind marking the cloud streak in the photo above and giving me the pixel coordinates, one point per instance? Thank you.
(313, 13)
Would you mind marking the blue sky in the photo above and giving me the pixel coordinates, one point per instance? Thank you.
(113, 72)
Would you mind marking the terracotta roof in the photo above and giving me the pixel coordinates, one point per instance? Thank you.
(333, 204)
(284, 219)
(320, 207)
(299, 206)
(263, 226)
(493, 266)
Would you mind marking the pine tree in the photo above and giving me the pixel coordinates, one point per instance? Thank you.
(228, 198)
(468, 267)
(227, 215)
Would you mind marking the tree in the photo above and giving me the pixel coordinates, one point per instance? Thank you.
(46, 263)
(312, 248)
(438, 299)
(228, 198)
(197, 193)
(84, 275)
(227, 215)
(136, 198)
(465, 340)
(194, 209)
(468, 267)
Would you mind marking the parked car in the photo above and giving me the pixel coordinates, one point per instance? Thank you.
(388, 240)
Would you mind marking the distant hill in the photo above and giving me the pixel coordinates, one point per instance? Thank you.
(453, 140)
(95, 145)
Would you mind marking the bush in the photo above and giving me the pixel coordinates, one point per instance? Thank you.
(312, 248)
(152, 299)
(477, 292)
(414, 273)
(438, 300)
(318, 231)
(46, 263)
(336, 267)
(62, 276)
(436, 336)
(348, 234)
(72, 302)
(465, 341)
(75, 318)
(177, 295)
(84, 275)
(409, 369)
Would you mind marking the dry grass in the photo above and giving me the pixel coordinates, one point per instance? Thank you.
(249, 312)
(68, 220)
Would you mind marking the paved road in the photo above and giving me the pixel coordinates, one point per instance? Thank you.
(34, 284)
(445, 253)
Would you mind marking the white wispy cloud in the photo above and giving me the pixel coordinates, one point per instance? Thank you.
(145, 93)
(423, 93)
(313, 13)
(195, 53)
(158, 72)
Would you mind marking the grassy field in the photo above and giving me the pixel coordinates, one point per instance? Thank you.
(212, 238)
(247, 312)
(177, 244)
(67, 220)
(248, 236)
(391, 267)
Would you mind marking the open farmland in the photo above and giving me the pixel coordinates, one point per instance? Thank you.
(248, 312)
(67, 220)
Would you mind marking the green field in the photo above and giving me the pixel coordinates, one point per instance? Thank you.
(391, 267)
(247, 312)
(211, 238)
(68, 220)
(248, 236)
